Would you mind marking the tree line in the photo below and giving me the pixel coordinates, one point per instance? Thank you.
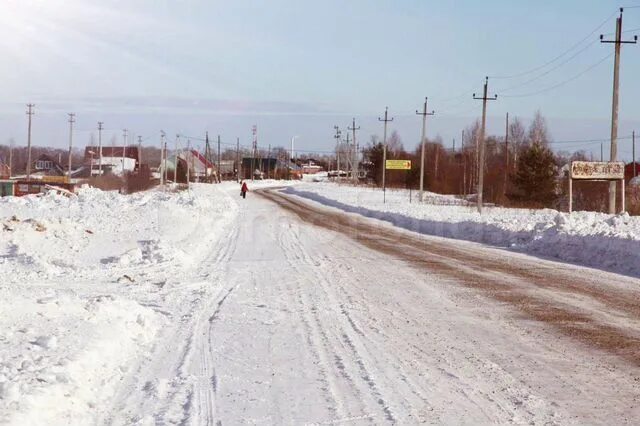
(525, 172)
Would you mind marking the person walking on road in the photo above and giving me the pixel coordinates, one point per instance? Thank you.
(244, 189)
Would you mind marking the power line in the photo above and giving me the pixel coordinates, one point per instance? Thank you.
(550, 70)
(530, 71)
(523, 95)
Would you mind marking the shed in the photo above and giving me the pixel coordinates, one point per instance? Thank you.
(6, 187)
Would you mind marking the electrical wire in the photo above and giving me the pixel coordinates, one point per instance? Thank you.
(555, 86)
(531, 80)
(531, 71)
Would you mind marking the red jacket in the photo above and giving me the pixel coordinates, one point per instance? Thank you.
(244, 187)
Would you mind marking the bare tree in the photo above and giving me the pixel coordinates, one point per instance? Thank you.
(538, 133)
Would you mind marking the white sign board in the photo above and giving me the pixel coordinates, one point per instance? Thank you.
(597, 170)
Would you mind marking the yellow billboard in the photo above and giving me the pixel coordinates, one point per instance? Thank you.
(398, 165)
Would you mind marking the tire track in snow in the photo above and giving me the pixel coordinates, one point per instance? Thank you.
(183, 395)
(343, 337)
(318, 350)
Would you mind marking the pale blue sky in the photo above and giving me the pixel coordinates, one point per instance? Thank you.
(298, 67)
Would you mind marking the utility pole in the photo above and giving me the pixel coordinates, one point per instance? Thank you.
(163, 162)
(424, 115)
(100, 128)
(255, 147)
(291, 155)
(124, 147)
(30, 113)
(11, 158)
(506, 155)
(384, 153)
(337, 137)
(219, 169)
(175, 159)
(207, 156)
(484, 99)
(348, 151)
(633, 141)
(464, 166)
(356, 163)
(71, 121)
(269, 162)
(601, 153)
(139, 152)
(238, 166)
(188, 162)
(618, 42)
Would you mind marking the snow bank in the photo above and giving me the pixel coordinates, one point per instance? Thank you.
(100, 232)
(610, 242)
(61, 355)
(84, 287)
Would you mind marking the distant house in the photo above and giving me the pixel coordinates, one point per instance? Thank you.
(46, 166)
(311, 168)
(115, 159)
(199, 167)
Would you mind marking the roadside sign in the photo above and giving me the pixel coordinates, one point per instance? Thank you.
(398, 165)
(597, 170)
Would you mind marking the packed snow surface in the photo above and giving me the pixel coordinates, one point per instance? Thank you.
(599, 240)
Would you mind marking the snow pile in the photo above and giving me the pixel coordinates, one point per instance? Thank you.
(62, 355)
(88, 283)
(99, 232)
(610, 242)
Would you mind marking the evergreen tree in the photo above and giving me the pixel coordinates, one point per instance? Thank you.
(535, 177)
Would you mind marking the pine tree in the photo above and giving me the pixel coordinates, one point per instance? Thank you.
(535, 178)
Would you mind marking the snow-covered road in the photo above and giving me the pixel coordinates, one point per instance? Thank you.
(296, 313)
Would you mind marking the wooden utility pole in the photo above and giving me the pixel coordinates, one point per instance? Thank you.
(219, 169)
(484, 99)
(633, 141)
(384, 153)
(255, 147)
(100, 128)
(464, 166)
(124, 147)
(175, 159)
(163, 163)
(71, 121)
(30, 113)
(139, 152)
(613, 155)
(269, 162)
(238, 166)
(10, 158)
(208, 158)
(338, 138)
(424, 115)
(355, 169)
(188, 162)
(506, 155)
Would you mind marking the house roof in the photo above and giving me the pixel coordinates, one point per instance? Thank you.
(109, 151)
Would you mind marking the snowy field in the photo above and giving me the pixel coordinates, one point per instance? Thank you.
(610, 242)
(87, 284)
